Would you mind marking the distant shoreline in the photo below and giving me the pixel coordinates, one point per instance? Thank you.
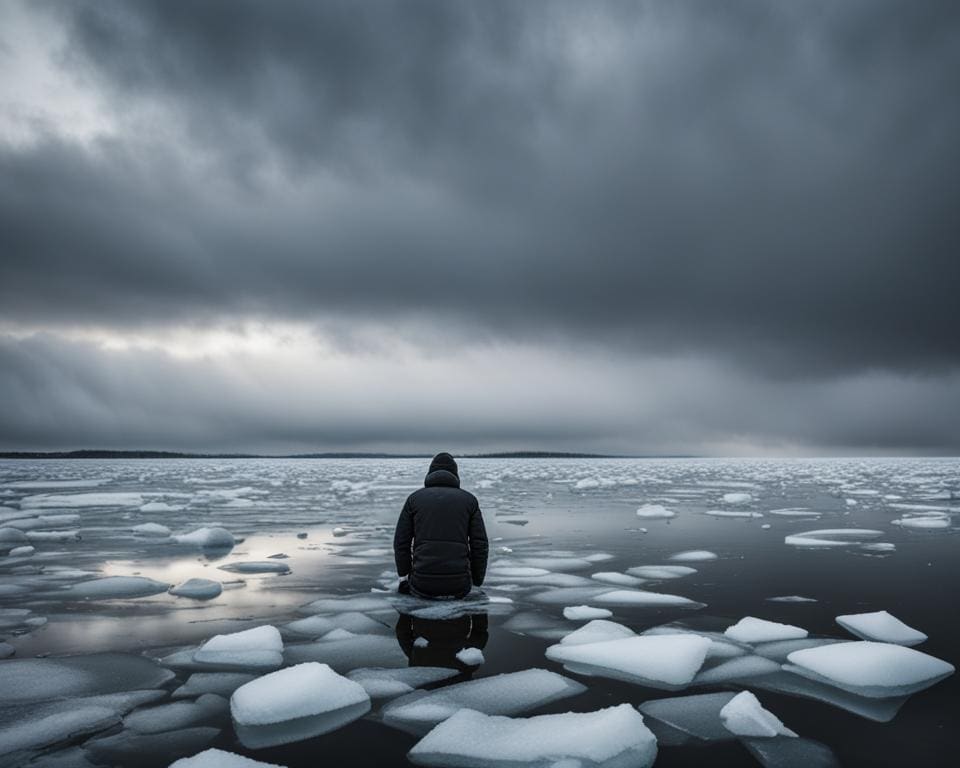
(106, 454)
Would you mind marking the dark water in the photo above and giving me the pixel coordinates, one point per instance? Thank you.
(534, 508)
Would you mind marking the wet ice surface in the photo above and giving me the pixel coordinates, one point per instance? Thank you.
(126, 557)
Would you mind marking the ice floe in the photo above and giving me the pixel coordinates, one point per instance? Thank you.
(732, 513)
(736, 669)
(928, 522)
(655, 511)
(471, 657)
(585, 613)
(620, 579)
(744, 715)
(151, 529)
(177, 715)
(669, 661)
(217, 758)
(508, 694)
(826, 538)
(737, 498)
(645, 599)
(753, 630)
(349, 653)
(661, 572)
(128, 747)
(220, 683)
(881, 626)
(380, 683)
(256, 566)
(316, 626)
(874, 670)
(693, 556)
(258, 648)
(207, 538)
(688, 718)
(295, 703)
(113, 587)
(198, 589)
(609, 738)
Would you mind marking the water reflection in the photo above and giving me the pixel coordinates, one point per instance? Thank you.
(436, 642)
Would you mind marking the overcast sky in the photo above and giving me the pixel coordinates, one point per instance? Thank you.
(631, 227)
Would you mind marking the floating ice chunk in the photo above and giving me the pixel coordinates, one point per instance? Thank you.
(643, 598)
(736, 669)
(339, 634)
(587, 483)
(795, 512)
(597, 631)
(129, 748)
(778, 650)
(380, 683)
(745, 716)
(53, 535)
(421, 642)
(881, 626)
(791, 599)
(78, 500)
(924, 522)
(879, 546)
(31, 680)
(655, 660)
(874, 670)
(22, 551)
(721, 647)
(296, 703)
(352, 621)
(737, 498)
(217, 758)
(12, 537)
(208, 538)
(536, 625)
(661, 572)
(60, 726)
(338, 531)
(585, 612)
(752, 630)
(567, 595)
(620, 579)
(159, 506)
(198, 589)
(257, 648)
(507, 694)
(112, 587)
(655, 511)
(517, 572)
(43, 521)
(151, 529)
(356, 603)
(220, 683)
(598, 557)
(6, 650)
(179, 714)
(878, 710)
(472, 657)
(354, 652)
(830, 537)
(693, 556)
(786, 752)
(256, 566)
(693, 716)
(609, 737)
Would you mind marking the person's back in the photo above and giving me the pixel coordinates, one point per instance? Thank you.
(440, 542)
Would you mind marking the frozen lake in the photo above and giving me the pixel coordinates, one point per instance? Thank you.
(90, 548)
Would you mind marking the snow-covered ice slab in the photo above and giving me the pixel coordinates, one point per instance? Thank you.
(220, 683)
(827, 538)
(177, 715)
(597, 631)
(585, 613)
(258, 648)
(736, 669)
(744, 715)
(296, 703)
(508, 694)
(874, 670)
(217, 758)
(32, 680)
(881, 626)
(694, 717)
(753, 630)
(787, 752)
(207, 538)
(471, 657)
(660, 661)
(931, 522)
(737, 498)
(352, 621)
(878, 710)
(608, 738)
(380, 683)
(645, 599)
(151, 529)
(661, 572)
(778, 650)
(654, 511)
(54, 728)
(693, 556)
(349, 653)
(619, 579)
(198, 589)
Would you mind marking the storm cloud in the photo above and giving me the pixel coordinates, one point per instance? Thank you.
(631, 226)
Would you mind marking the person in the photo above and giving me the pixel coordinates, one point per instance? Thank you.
(440, 544)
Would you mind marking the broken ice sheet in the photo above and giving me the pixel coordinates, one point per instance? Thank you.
(257, 648)
(381, 683)
(615, 737)
(350, 653)
(507, 694)
(881, 626)
(696, 717)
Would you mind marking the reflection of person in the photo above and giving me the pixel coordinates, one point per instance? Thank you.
(436, 642)
(440, 543)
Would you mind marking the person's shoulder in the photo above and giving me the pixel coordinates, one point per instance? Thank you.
(470, 496)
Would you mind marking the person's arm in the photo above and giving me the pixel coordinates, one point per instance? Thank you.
(478, 548)
(402, 541)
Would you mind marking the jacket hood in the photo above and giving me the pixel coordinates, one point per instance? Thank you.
(441, 477)
(444, 461)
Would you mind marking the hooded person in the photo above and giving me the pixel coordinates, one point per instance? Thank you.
(440, 543)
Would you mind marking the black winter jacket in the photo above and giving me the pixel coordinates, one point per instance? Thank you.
(440, 541)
